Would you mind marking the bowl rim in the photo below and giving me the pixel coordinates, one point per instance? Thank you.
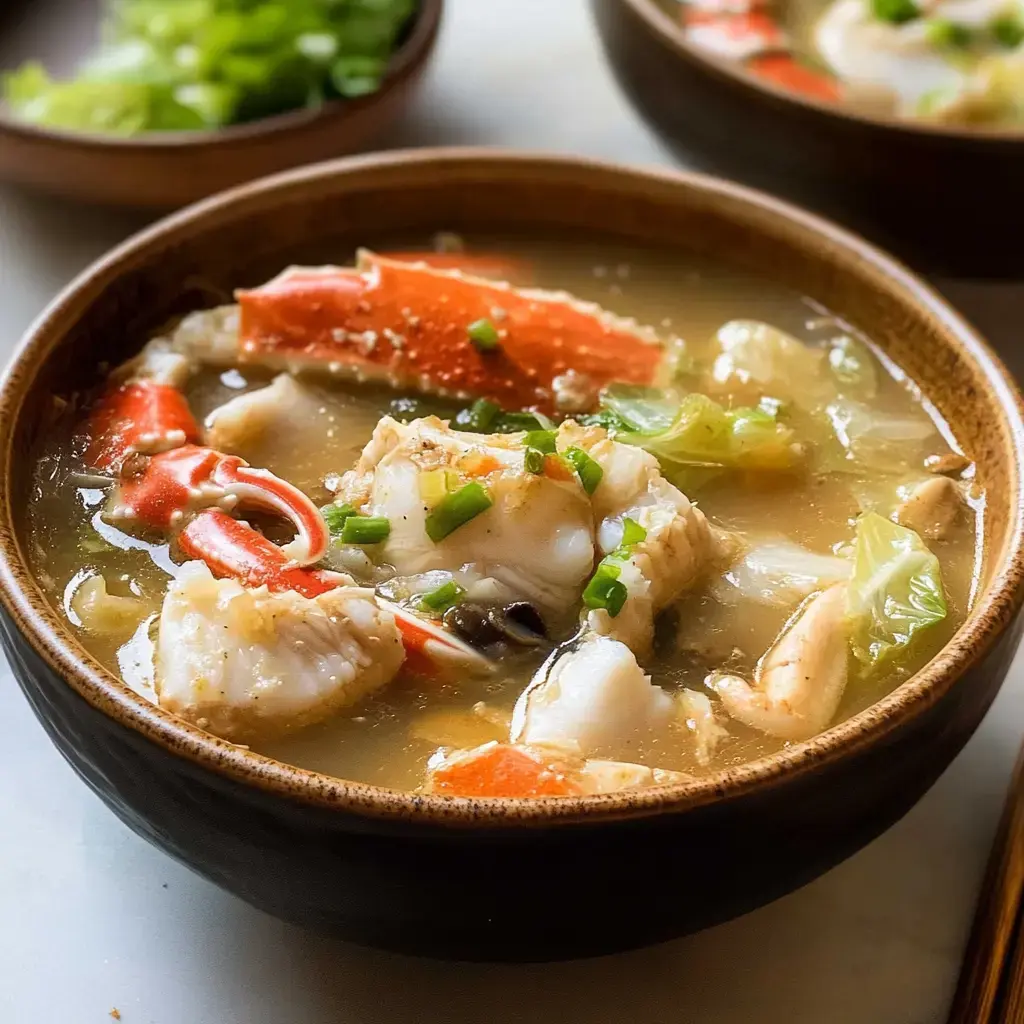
(426, 20)
(660, 24)
(995, 606)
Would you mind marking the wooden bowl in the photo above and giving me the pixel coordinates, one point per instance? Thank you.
(516, 879)
(946, 198)
(169, 169)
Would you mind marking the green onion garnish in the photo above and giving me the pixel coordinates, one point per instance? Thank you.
(589, 471)
(542, 440)
(896, 12)
(533, 460)
(948, 35)
(443, 597)
(456, 509)
(478, 417)
(605, 590)
(484, 335)
(632, 532)
(1008, 31)
(335, 516)
(365, 530)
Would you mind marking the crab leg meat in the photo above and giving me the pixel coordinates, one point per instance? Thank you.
(415, 326)
(140, 416)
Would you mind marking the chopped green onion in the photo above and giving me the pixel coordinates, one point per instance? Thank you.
(896, 12)
(542, 440)
(533, 460)
(478, 417)
(335, 516)
(632, 533)
(457, 509)
(443, 597)
(365, 530)
(589, 471)
(484, 335)
(605, 590)
(942, 32)
(1008, 31)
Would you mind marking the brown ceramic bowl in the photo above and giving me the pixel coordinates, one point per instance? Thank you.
(169, 169)
(946, 198)
(516, 879)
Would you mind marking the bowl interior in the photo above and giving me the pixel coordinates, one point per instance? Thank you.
(197, 257)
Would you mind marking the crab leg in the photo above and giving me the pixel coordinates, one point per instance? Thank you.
(743, 30)
(441, 331)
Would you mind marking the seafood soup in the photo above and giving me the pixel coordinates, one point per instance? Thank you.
(488, 519)
(946, 61)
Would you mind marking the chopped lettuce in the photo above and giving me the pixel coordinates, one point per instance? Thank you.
(878, 441)
(695, 437)
(896, 589)
(171, 65)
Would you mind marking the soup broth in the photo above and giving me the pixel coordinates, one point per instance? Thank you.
(724, 623)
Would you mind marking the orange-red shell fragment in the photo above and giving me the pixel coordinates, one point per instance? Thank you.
(781, 69)
(409, 324)
(140, 415)
(500, 769)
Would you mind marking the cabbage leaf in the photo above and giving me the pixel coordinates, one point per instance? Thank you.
(896, 590)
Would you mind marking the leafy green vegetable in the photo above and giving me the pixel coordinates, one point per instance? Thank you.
(641, 409)
(478, 417)
(1008, 30)
(757, 355)
(896, 589)
(881, 442)
(171, 65)
(704, 433)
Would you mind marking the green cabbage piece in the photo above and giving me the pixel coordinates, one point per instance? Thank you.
(895, 592)
(693, 432)
(172, 65)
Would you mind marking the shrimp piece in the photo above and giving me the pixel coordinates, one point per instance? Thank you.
(250, 662)
(799, 682)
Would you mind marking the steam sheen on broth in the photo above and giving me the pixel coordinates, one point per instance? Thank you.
(856, 448)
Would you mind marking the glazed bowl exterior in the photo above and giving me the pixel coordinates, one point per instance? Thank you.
(943, 197)
(168, 169)
(505, 879)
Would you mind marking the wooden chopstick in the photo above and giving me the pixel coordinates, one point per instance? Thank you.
(991, 985)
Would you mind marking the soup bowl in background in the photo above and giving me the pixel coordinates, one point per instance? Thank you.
(943, 196)
(507, 878)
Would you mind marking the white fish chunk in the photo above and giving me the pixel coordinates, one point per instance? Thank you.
(677, 550)
(799, 682)
(244, 662)
(537, 538)
(592, 699)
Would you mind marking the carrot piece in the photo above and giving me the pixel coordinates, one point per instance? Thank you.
(781, 69)
(479, 464)
(500, 769)
(556, 468)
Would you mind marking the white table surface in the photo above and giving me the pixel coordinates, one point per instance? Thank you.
(92, 918)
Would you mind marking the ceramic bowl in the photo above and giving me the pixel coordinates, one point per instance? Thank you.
(944, 197)
(168, 169)
(507, 879)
